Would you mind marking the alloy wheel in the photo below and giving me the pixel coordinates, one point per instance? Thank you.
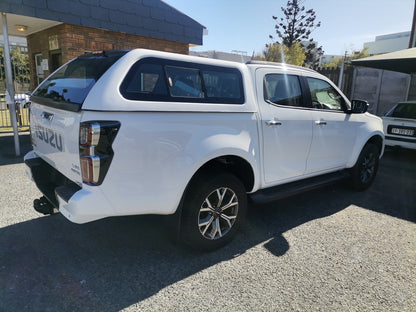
(218, 213)
(368, 167)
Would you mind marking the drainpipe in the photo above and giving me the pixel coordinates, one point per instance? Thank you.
(9, 84)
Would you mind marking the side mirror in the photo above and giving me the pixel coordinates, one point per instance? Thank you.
(358, 107)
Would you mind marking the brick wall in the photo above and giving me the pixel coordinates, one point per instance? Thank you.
(75, 40)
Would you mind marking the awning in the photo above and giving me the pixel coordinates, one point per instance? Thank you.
(403, 61)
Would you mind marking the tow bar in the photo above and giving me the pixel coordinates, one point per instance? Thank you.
(43, 206)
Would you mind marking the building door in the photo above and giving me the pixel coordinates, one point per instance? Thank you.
(56, 60)
(39, 70)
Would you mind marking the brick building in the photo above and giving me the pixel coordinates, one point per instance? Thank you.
(59, 30)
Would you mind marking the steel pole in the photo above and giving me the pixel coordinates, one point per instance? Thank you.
(9, 83)
(341, 75)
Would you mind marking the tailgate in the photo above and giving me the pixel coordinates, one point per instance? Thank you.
(55, 137)
(56, 110)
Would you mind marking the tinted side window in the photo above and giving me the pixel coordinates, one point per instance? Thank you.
(282, 89)
(184, 82)
(324, 96)
(154, 79)
(148, 79)
(222, 84)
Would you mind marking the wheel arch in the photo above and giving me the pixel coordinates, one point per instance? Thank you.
(376, 139)
(236, 165)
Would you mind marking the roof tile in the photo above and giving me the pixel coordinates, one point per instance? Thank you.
(100, 14)
(111, 4)
(35, 3)
(89, 2)
(153, 18)
(22, 9)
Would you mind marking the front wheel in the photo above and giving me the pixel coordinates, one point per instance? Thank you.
(214, 207)
(364, 171)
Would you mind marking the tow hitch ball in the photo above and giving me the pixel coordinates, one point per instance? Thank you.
(43, 205)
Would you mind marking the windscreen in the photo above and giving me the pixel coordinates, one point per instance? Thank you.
(403, 110)
(72, 82)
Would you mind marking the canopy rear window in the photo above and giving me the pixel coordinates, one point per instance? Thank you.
(68, 87)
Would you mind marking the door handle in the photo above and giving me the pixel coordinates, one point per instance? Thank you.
(47, 116)
(320, 123)
(270, 123)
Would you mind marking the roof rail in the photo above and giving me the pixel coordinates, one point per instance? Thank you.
(104, 52)
(254, 62)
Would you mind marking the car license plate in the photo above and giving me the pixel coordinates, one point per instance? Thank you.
(400, 131)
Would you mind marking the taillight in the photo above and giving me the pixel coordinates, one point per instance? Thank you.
(96, 153)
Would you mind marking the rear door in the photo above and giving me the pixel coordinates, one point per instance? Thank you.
(56, 111)
(285, 123)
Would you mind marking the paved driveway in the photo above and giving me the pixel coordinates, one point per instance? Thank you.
(332, 249)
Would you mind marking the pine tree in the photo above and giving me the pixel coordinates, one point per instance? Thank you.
(297, 26)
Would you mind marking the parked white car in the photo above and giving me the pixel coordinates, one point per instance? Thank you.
(400, 125)
(147, 132)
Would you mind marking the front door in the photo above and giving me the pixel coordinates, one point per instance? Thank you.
(334, 134)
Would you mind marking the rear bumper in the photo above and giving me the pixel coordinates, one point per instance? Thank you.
(49, 180)
(77, 204)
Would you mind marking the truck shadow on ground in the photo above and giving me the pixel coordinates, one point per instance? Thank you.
(51, 264)
(114, 263)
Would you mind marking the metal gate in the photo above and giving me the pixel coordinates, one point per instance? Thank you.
(21, 78)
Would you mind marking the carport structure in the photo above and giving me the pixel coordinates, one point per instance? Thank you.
(395, 80)
(59, 30)
(403, 61)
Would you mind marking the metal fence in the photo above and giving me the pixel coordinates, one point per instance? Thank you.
(22, 113)
(347, 79)
(22, 116)
(21, 79)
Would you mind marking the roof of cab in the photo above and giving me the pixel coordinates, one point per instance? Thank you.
(279, 65)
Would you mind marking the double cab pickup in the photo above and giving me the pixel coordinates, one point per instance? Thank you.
(144, 132)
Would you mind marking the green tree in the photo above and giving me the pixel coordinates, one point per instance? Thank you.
(295, 54)
(352, 55)
(296, 27)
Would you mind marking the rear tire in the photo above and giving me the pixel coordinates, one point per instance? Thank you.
(364, 171)
(215, 206)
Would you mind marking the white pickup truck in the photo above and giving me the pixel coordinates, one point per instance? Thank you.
(144, 132)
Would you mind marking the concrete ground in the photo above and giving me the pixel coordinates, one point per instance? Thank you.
(331, 249)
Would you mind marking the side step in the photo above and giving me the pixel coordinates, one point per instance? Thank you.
(289, 189)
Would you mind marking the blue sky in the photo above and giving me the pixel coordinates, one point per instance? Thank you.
(245, 25)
